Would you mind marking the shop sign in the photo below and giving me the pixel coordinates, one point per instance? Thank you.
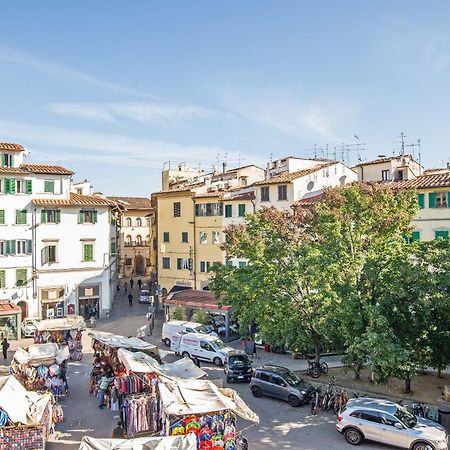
(71, 309)
(50, 313)
(60, 310)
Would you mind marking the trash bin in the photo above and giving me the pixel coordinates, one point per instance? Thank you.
(444, 417)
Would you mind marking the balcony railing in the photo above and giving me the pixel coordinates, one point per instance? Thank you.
(137, 244)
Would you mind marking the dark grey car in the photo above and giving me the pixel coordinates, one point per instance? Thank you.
(281, 383)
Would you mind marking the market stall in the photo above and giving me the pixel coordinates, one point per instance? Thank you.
(64, 331)
(188, 442)
(42, 367)
(26, 422)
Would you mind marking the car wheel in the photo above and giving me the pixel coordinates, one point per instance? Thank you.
(293, 400)
(353, 436)
(324, 367)
(167, 342)
(256, 391)
(217, 361)
(422, 446)
(185, 355)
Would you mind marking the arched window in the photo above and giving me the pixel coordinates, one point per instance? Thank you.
(138, 240)
(148, 221)
(138, 222)
(128, 222)
(147, 239)
(128, 240)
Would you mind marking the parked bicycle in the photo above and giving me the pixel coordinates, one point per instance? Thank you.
(421, 410)
(328, 396)
(316, 401)
(316, 368)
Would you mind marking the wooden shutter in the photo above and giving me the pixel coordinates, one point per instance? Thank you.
(432, 200)
(241, 210)
(2, 216)
(88, 252)
(29, 246)
(58, 216)
(18, 219)
(81, 216)
(2, 279)
(49, 186)
(179, 263)
(29, 186)
(3, 159)
(416, 235)
(94, 216)
(21, 277)
(228, 210)
(43, 216)
(12, 247)
(441, 235)
(421, 200)
(8, 183)
(448, 199)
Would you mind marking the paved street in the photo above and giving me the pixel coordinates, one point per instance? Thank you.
(281, 425)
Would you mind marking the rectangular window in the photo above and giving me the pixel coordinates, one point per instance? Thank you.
(21, 217)
(203, 237)
(48, 255)
(421, 200)
(443, 235)
(415, 236)
(166, 236)
(88, 252)
(265, 194)
(215, 238)
(49, 186)
(3, 248)
(241, 210)
(2, 279)
(209, 209)
(23, 187)
(128, 262)
(166, 262)
(7, 160)
(431, 200)
(179, 263)
(176, 209)
(229, 263)
(205, 266)
(441, 200)
(2, 217)
(10, 186)
(228, 210)
(385, 175)
(50, 216)
(87, 216)
(21, 277)
(242, 264)
(21, 247)
(282, 192)
(184, 237)
(113, 247)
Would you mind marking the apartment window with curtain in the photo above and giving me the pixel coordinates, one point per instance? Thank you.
(50, 216)
(205, 266)
(203, 237)
(441, 200)
(166, 262)
(282, 192)
(215, 238)
(265, 194)
(385, 175)
(87, 216)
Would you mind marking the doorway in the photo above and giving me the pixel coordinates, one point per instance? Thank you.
(139, 265)
(24, 307)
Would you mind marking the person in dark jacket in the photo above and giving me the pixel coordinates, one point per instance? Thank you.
(130, 299)
(5, 346)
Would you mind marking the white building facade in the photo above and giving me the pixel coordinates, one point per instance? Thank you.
(57, 248)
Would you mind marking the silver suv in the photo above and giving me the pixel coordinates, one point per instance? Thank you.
(279, 382)
(386, 422)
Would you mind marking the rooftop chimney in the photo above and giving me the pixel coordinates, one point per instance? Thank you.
(224, 166)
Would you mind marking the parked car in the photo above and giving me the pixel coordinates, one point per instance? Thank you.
(28, 326)
(389, 423)
(144, 296)
(282, 383)
(172, 328)
(202, 346)
(238, 367)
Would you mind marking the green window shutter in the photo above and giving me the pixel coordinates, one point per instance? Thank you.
(166, 236)
(12, 247)
(2, 279)
(179, 263)
(10, 186)
(29, 186)
(202, 266)
(49, 186)
(229, 263)
(2, 216)
(88, 250)
(421, 200)
(432, 200)
(3, 159)
(228, 210)
(448, 199)
(58, 216)
(13, 186)
(12, 160)
(242, 264)
(416, 235)
(21, 217)
(18, 211)
(113, 247)
(241, 210)
(94, 216)
(81, 216)
(43, 216)
(29, 246)
(443, 235)
(21, 277)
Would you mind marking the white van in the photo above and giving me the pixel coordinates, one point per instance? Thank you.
(202, 346)
(171, 330)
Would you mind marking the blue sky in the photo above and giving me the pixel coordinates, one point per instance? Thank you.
(114, 89)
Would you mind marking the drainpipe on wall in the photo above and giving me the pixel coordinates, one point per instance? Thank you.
(194, 262)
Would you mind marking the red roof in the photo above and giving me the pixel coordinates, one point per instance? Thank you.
(9, 308)
(195, 299)
(74, 200)
(46, 169)
(10, 147)
(432, 180)
(286, 177)
(308, 201)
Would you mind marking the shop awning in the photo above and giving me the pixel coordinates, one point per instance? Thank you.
(196, 299)
(42, 354)
(22, 406)
(188, 442)
(9, 308)
(182, 398)
(139, 362)
(66, 323)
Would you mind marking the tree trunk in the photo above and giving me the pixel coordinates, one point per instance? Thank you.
(357, 370)
(317, 351)
(439, 372)
(408, 385)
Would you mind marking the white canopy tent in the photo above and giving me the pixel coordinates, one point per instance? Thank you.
(42, 354)
(188, 442)
(66, 323)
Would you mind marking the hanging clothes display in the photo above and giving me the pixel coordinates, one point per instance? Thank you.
(71, 338)
(140, 414)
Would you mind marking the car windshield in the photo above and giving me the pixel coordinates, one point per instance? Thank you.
(405, 417)
(203, 329)
(238, 360)
(144, 293)
(291, 378)
(217, 344)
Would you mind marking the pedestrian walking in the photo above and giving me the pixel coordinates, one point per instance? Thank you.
(250, 348)
(118, 287)
(140, 284)
(5, 346)
(196, 361)
(130, 299)
(150, 322)
(125, 286)
(131, 283)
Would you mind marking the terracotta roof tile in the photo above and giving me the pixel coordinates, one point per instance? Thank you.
(74, 200)
(13, 170)
(239, 196)
(286, 177)
(308, 201)
(425, 181)
(133, 202)
(383, 160)
(10, 147)
(46, 169)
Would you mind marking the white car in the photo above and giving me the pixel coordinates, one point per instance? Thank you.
(172, 329)
(389, 423)
(144, 296)
(28, 326)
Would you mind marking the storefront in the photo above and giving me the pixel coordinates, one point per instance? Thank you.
(89, 300)
(52, 302)
(10, 320)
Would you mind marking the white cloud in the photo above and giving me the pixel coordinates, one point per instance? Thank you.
(138, 111)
